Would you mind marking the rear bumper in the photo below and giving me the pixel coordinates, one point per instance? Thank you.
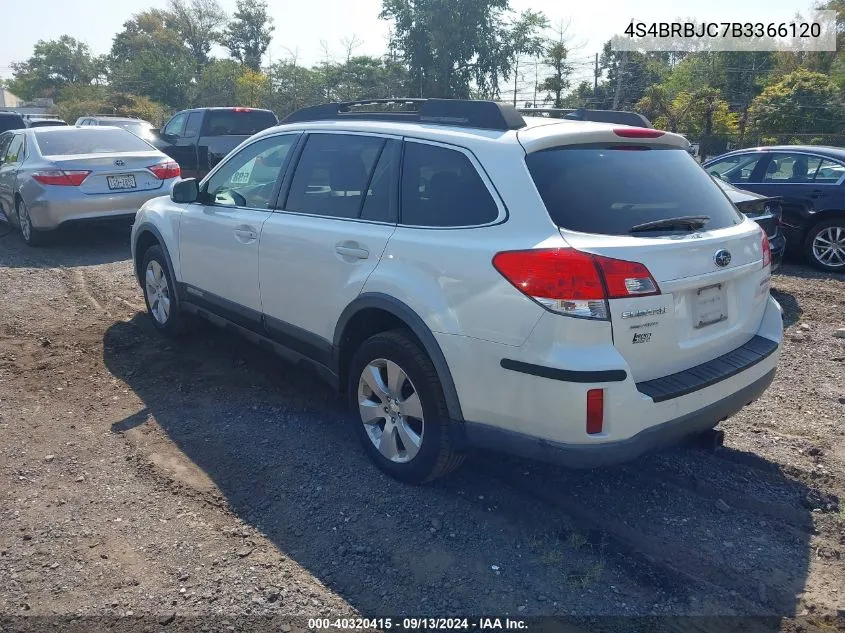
(592, 455)
(778, 248)
(53, 208)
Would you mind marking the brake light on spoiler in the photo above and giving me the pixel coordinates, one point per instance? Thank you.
(573, 283)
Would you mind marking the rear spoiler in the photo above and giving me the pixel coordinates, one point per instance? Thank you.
(598, 116)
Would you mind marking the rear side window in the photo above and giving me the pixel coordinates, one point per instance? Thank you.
(237, 122)
(610, 190)
(15, 151)
(441, 188)
(69, 141)
(333, 174)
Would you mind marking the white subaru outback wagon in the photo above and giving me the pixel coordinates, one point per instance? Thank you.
(562, 290)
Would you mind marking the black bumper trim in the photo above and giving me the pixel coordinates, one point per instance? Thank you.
(566, 375)
(493, 438)
(709, 373)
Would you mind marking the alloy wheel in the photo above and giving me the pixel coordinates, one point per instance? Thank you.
(158, 292)
(391, 410)
(829, 246)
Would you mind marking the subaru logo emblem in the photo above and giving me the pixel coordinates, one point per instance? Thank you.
(119, 163)
(722, 258)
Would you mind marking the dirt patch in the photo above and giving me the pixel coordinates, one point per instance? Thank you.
(205, 478)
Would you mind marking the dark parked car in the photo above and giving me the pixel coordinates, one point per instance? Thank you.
(11, 121)
(198, 139)
(765, 211)
(809, 181)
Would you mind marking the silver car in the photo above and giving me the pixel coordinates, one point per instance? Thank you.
(53, 175)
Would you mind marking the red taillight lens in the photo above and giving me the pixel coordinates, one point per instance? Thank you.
(570, 282)
(767, 250)
(166, 171)
(595, 411)
(61, 178)
(637, 132)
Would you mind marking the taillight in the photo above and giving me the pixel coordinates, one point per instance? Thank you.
(60, 178)
(573, 283)
(637, 132)
(767, 250)
(166, 171)
(595, 411)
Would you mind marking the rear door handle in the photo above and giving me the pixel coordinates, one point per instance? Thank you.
(347, 250)
(246, 234)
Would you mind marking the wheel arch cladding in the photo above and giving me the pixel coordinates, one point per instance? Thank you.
(372, 313)
(149, 236)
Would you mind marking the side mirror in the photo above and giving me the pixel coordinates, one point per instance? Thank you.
(185, 191)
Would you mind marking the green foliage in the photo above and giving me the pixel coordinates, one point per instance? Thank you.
(53, 65)
(149, 58)
(200, 24)
(800, 101)
(449, 45)
(70, 109)
(252, 88)
(217, 84)
(249, 33)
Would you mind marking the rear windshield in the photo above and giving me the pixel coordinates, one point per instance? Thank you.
(610, 190)
(238, 122)
(11, 122)
(66, 142)
(47, 123)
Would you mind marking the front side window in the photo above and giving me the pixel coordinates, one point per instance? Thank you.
(441, 188)
(333, 175)
(174, 127)
(735, 169)
(249, 177)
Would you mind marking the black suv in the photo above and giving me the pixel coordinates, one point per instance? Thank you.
(11, 121)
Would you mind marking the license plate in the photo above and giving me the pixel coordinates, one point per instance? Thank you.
(710, 306)
(121, 182)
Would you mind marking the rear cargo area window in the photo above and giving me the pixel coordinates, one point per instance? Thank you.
(70, 141)
(237, 122)
(610, 190)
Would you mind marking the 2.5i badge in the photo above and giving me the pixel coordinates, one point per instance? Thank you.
(642, 337)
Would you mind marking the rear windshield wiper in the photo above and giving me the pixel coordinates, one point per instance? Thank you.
(686, 222)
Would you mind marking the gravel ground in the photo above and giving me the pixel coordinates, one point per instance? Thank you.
(145, 478)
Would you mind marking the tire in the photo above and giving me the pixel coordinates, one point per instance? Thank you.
(160, 293)
(31, 235)
(824, 246)
(374, 364)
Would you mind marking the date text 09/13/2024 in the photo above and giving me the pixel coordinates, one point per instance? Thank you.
(417, 624)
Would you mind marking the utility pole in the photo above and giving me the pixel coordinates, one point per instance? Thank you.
(620, 71)
(596, 79)
(515, 79)
(534, 100)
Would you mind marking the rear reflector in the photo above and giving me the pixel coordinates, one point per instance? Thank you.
(595, 411)
(767, 250)
(166, 171)
(637, 132)
(573, 283)
(60, 178)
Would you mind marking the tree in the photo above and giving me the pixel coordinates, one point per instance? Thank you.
(149, 58)
(555, 58)
(252, 88)
(293, 86)
(250, 33)
(200, 23)
(802, 101)
(217, 84)
(448, 45)
(53, 65)
(523, 38)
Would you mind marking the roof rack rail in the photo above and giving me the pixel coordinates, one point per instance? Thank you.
(487, 115)
(598, 116)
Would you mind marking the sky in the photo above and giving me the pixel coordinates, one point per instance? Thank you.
(302, 26)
